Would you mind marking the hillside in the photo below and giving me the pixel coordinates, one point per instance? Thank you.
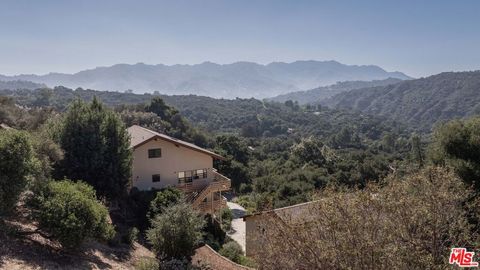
(323, 92)
(222, 115)
(420, 103)
(19, 84)
(240, 79)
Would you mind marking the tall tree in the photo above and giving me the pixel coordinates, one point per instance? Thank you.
(96, 146)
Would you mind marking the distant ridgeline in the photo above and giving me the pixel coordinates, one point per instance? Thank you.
(316, 95)
(420, 103)
(19, 84)
(240, 79)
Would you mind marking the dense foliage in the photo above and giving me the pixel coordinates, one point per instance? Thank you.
(420, 103)
(97, 148)
(323, 92)
(411, 223)
(456, 144)
(16, 165)
(158, 116)
(70, 213)
(163, 199)
(365, 169)
(257, 139)
(175, 233)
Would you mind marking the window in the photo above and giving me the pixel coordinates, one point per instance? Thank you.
(202, 173)
(155, 153)
(185, 177)
(188, 176)
(156, 178)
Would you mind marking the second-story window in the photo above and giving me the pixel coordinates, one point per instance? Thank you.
(156, 178)
(155, 153)
(198, 174)
(185, 177)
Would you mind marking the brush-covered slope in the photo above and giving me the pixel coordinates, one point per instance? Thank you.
(320, 93)
(421, 102)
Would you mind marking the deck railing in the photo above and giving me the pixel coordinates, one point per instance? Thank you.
(199, 184)
(212, 206)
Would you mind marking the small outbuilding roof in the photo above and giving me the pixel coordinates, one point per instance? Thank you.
(140, 135)
(4, 126)
(294, 214)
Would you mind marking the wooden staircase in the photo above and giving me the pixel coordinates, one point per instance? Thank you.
(219, 183)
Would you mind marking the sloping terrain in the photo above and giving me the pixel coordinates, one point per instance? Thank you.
(19, 84)
(22, 251)
(320, 93)
(421, 103)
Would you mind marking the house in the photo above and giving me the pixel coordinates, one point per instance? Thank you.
(161, 161)
(257, 225)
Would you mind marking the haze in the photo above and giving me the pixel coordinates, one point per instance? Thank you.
(418, 38)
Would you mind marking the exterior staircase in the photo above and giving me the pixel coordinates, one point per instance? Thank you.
(197, 197)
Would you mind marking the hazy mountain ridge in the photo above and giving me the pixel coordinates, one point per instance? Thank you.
(19, 84)
(314, 96)
(421, 102)
(240, 79)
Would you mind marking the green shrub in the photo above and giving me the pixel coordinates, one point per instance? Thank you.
(232, 250)
(176, 232)
(130, 236)
(226, 216)
(70, 213)
(16, 164)
(164, 198)
(147, 264)
(139, 204)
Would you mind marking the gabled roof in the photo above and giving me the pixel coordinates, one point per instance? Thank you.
(140, 135)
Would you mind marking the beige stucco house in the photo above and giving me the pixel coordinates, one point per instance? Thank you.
(161, 161)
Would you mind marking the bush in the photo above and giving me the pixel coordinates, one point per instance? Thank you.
(226, 216)
(139, 204)
(176, 232)
(409, 223)
(131, 236)
(147, 264)
(232, 250)
(16, 164)
(164, 198)
(70, 213)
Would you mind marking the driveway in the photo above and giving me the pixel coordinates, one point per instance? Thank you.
(237, 232)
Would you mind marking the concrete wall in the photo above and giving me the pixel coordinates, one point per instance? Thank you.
(173, 160)
(258, 226)
(254, 234)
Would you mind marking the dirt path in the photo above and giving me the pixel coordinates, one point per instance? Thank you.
(238, 225)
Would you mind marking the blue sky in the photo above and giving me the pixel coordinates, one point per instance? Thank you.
(418, 37)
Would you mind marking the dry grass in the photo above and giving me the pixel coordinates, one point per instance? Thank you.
(33, 251)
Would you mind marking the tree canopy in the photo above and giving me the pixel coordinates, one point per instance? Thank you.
(96, 148)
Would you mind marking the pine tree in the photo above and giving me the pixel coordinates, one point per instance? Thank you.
(96, 146)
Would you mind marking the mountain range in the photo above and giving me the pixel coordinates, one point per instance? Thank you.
(421, 103)
(240, 79)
